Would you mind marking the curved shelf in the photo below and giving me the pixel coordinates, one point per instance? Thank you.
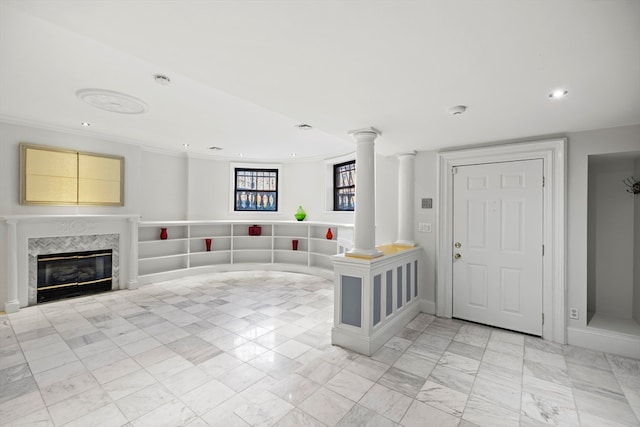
(233, 245)
(320, 254)
(209, 237)
(176, 239)
(163, 257)
(212, 251)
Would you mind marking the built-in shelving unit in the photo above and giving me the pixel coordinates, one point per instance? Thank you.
(233, 248)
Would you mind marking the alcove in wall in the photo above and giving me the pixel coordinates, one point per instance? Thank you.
(613, 244)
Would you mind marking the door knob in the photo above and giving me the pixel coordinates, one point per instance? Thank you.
(457, 244)
(457, 256)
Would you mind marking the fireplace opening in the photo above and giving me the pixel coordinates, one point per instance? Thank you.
(72, 274)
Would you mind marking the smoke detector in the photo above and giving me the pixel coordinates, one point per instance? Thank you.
(457, 110)
(304, 126)
(214, 148)
(110, 100)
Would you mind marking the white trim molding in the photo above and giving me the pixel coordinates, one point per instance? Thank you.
(606, 341)
(552, 152)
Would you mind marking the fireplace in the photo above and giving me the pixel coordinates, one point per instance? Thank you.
(70, 274)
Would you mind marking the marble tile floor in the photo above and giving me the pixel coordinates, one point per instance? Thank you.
(253, 349)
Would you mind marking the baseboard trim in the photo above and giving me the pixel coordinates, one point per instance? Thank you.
(428, 307)
(605, 341)
(12, 307)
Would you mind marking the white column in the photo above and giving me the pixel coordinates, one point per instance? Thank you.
(133, 253)
(12, 305)
(364, 227)
(406, 186)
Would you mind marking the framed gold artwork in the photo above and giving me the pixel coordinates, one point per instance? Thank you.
(56, 177)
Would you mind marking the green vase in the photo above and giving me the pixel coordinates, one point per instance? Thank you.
(300, 214)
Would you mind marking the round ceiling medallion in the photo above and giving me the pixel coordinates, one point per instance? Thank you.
(110, 100)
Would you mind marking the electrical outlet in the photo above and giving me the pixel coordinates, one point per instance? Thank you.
(574, 313)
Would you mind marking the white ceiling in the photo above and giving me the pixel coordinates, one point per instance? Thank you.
(244, 73)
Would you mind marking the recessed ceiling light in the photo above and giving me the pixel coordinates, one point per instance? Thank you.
(560, 93)
(185, 145)
(241, 154)
(293, 154)
(85, 124)
(304, 126)
(162, 80)
(457, 110)
(214, 148)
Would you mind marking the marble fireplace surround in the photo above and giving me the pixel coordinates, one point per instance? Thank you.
(62, 244)
(26, 236)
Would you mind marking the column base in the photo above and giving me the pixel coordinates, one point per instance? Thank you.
(364, 253)
(132, 284)
(368, 345)
(12, 307)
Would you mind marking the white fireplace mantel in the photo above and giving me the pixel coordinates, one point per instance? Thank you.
(18, 229)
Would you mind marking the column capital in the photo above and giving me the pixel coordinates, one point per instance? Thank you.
(370, 131)
(406, 153)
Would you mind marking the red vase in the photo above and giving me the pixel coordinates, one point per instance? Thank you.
(207, 242)
(163, 234)
(329, 234)
(294, 244)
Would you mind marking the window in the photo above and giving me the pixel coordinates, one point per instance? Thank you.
(256, 189)
(344, 186)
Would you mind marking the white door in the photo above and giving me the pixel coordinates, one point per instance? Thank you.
(497, 237)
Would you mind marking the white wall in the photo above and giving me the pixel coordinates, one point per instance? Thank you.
(426, 187)
(611, 245)
(10, 137)
(164, 186)
(208, 189)
(592, 204)
(302, 183)
(168, 186)
(580, 146)
(636, 247)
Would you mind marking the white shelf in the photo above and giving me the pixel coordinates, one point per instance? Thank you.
(160, 248)
(184, 251)
(162, 257)
(163, 264)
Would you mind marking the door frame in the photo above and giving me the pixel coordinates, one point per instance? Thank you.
(554, 239)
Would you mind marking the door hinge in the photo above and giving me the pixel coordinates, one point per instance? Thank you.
(542, 250)
(543, 318)
(543, 180)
